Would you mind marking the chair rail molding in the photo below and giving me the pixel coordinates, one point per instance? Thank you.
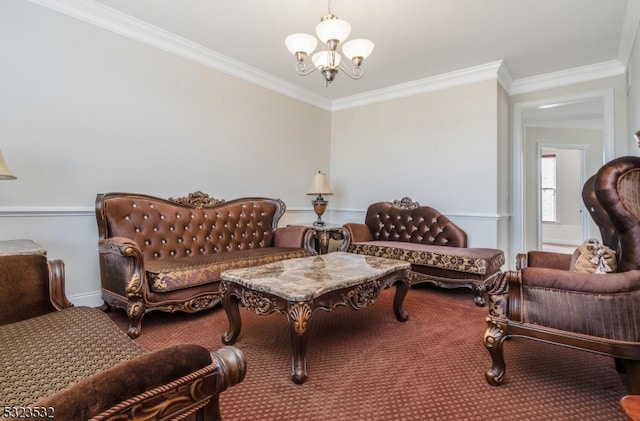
(40, 211)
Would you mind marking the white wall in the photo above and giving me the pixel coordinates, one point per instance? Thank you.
(85, 111)
(440, 148)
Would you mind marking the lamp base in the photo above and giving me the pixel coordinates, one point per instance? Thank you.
(319, 206)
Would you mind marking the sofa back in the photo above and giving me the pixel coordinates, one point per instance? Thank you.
(407, 221)
(188, 226)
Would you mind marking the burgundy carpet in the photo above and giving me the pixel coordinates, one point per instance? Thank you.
(365, 365)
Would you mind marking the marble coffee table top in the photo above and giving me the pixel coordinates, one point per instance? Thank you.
(306, 278)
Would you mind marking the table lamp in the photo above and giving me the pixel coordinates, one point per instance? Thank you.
(5, 172)
(319, 186)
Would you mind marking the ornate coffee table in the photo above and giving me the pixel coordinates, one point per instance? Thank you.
(298, 287)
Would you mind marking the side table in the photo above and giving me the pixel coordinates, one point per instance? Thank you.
(324, 233)
(13, 247)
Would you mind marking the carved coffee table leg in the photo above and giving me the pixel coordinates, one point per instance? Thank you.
(402, 288)
(299, 315)
(230, 303)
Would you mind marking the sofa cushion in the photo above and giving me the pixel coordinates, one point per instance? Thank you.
(174, 274)
(45, 354)
(481, 261)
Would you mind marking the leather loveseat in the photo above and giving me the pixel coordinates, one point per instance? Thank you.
(158, 254)
(435, 246)
(73, 363)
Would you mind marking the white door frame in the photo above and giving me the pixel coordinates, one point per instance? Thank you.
(606, 95)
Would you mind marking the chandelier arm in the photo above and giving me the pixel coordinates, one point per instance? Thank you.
(302, 70)
(354, 73)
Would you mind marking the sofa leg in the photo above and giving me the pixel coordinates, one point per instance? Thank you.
(494, 338)
(632, 370)
(105, 307)
(479, 290)
(135, 312)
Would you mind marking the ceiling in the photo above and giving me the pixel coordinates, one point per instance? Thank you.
(414, 39)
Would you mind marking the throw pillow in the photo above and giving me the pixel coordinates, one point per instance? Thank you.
(593, 257)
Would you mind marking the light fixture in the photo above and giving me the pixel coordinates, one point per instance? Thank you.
(319, 186)
(332, 32)
(5, 172)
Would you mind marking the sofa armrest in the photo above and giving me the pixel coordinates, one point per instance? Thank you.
(577, 282)
(544, 259)
(357, 232)
(31, 286)
(294, 236)
(164, 382)
(57, 292)
(122, 267)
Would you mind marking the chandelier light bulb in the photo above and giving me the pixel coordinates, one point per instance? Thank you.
(300, 42)
(324, 59)
(333, 28)
(357, 48)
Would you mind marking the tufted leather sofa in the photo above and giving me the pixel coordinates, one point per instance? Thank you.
(73, 363)
(435, 246)
(158, 254)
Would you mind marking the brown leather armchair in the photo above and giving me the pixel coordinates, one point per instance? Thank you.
(546, 300)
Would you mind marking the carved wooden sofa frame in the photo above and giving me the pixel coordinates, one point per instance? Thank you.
(167, 255)
(435, 246)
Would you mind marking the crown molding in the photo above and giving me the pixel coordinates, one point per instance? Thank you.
(446, 80)
(567, 77)
(629, 28)
(120, 23)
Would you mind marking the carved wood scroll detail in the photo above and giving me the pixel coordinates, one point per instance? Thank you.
(363, 296)
(405, 203)
(257, 302)
(197, 200)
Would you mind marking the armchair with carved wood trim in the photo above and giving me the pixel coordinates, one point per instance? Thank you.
(547, 299)
(73, 363)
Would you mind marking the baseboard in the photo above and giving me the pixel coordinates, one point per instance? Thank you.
(90, 299)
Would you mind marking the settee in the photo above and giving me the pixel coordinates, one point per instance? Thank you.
(168, 254)
(73, 363)
(435, 246)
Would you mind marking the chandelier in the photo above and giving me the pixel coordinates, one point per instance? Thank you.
(332, 32)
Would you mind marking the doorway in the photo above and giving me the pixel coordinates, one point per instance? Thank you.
(562, 223)
(567, 122)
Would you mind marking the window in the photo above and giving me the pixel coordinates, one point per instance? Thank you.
(548, 188)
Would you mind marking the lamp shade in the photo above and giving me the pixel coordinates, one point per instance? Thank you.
(301, 43)
(325, 59)
(319, 184)
(5, 172)
(357, 48)
(333, 29)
